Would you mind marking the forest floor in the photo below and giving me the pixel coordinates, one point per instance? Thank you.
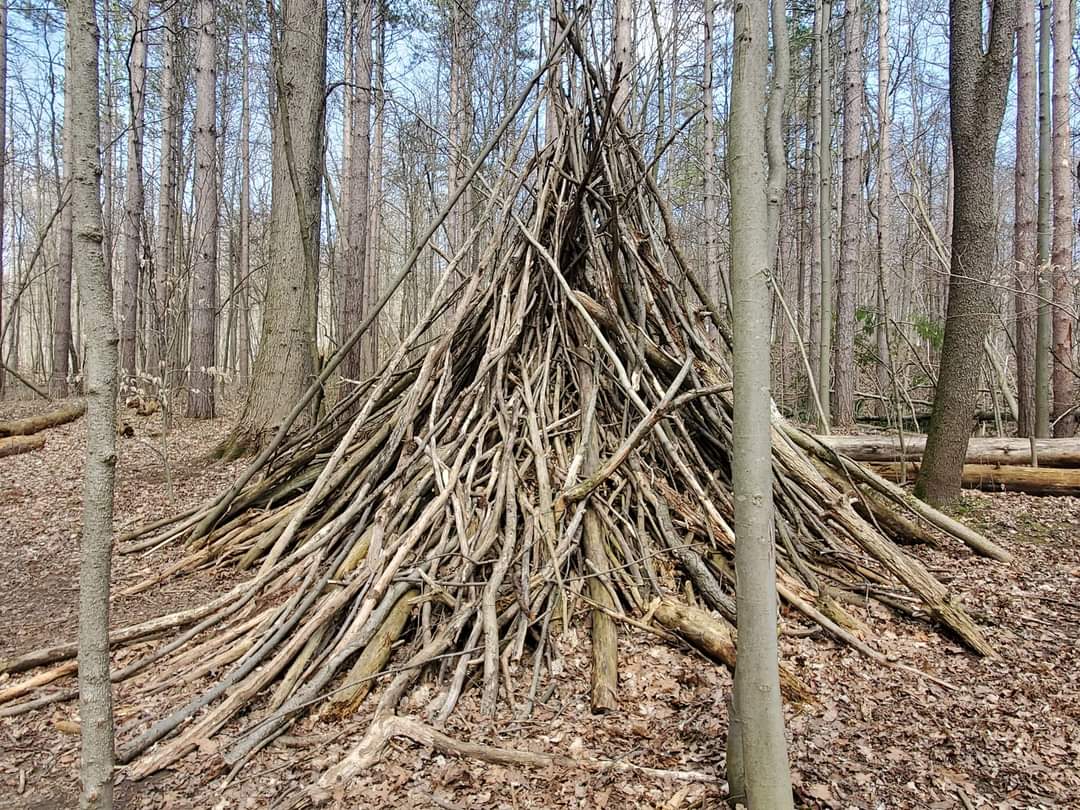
(1007, 735)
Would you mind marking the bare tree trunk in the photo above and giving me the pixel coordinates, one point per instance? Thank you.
(95, 294)
(825, 317)
(1024, 251)
(813, 280)
(3, 177)
(715, 275)
(774, 129)
(200, 403)
(886, 254)
(61, 319)
(757, 751)
(354, 290)
(285, 363)
(623, 56)
(376, 171)
(1044, 325)
(243, 338)
(1062, 250)
(133, 209)
(978, 86)
(164, 265)
(851, 216)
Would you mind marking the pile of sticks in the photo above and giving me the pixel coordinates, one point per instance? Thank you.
(552, 438)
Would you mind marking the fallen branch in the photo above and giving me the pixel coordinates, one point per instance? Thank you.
(15, 445)
(1005, 478)
(33, 424)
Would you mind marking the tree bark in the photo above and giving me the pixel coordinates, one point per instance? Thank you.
(851, 216)
(284, 364)
(994, 478)
(714, 274)
(1024, 195)
(978, 86)
(825, 315)
(61, 331)
(757, 752)
(200, 401)
(95, 293)
(355, 292)
(1062, 248)
(3, 177)
(622, 62)
(1044, 324)
(243, 337)
(34, 424)
(133, 208)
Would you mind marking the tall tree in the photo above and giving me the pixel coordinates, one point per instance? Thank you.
(3, 176)
(757, 751)
(284, 364)
(851, 213)
(244, 349)
(61, 332)
(1062, 248)
(825, 316)
(713, 271)
(356, 294)
(1024, 195)
(1044, 323)
(95, 293)
(200, 403)
(623, 55)
(774, 128)
(978, 87)
(133, 190)
(886, 245)
(164, 264)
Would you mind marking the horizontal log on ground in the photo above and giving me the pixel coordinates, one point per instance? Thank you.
(1004, 478)
(1050, 452)
(33, 424)
(13, 445)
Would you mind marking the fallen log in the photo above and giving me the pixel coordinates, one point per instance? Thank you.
(34, 424)
(1050, 452)
(14, 445)
(1003, 478)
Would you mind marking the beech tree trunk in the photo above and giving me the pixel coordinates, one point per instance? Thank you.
(757, 751)
(1062, 248)
(851, 214)
(1024, 193)
(243, 336)
(713, 272)
(133, 208)
(200, 402)
(285, 362)
(623, 56)
(95, 293)
(978, 86)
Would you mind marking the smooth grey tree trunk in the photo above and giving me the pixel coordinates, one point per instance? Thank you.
(1025, 263)
(243, 337)
(200, 402)
(95, 295)
(713, 272)
(978, 87)
(886, 247)
(757, 751)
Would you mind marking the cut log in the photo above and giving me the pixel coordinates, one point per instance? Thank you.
(1051, 452)
(1003, 478)
(14, 445)
(33, 424)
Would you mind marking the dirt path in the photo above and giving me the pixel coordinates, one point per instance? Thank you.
(1007, 737)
